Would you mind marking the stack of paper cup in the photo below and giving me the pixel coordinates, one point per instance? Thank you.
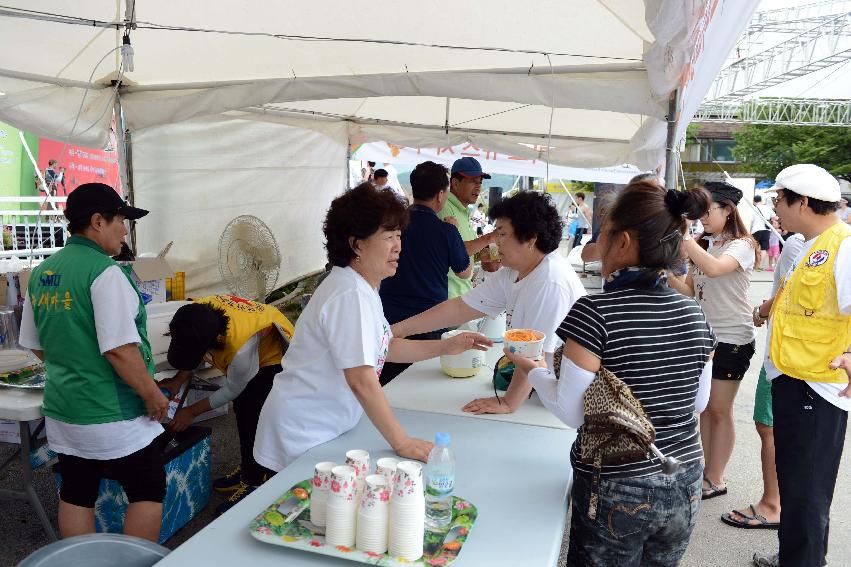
(319, 495)
(387, 468)
(341, 510)
(374, 515)
(407, 512)
(358, 459)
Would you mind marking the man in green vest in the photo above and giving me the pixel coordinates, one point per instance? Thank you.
(85, 318)
(464, 188)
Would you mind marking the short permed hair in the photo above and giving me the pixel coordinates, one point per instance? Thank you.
(531, 214)
(428, 179)
(359, 214)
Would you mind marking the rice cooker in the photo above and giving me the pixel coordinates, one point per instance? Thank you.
(463, 365)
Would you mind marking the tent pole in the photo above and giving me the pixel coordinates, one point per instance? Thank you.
(125, 162)
(348, 159)
(672, 118)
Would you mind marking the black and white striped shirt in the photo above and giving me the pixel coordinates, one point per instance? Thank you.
(657, 341)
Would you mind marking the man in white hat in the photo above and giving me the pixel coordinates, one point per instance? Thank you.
(809, 363)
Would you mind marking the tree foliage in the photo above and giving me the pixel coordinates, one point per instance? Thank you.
(768, 148)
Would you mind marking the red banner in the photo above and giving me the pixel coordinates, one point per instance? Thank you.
(78, 166)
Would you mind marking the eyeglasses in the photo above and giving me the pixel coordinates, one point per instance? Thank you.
(776, 198)
(710, 209)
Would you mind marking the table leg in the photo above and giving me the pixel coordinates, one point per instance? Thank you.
(29, 490)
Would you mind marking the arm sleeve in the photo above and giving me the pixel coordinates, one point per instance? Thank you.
(552, 304)
(585, 326)
(351, 332)
(116, 305)
(458, 258)
(742, 251)
(564, 397)
(490, 296)
(28, 336)
(704, 386)
(242, 369)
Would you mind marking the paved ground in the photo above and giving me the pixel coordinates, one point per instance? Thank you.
(713, 543)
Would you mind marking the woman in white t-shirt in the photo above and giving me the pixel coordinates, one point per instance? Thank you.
(341, 340)
(536, 287)
(719, 279)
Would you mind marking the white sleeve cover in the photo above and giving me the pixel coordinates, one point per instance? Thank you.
(563, 397)
(704, 386)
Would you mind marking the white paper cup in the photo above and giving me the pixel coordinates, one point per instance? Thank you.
(386, 466)
(341, 524)
(343, 485)
(358, 459)
(527, 349)
(376, 494)
(372, 531)
(408, 482)
(319, 494)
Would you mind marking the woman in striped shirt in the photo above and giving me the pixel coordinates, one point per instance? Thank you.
(658, 342)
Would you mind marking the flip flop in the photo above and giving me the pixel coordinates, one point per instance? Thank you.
(713, 491)
(730, 520)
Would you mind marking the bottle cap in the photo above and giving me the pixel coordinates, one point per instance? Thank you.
(442, 439)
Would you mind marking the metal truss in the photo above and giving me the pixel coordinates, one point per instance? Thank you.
(819, 41)
(791, 111)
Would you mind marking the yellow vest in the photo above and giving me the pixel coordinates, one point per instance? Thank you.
(247, 318)
(808, 330)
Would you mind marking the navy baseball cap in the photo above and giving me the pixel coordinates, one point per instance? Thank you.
(469, 167)
(91, 198)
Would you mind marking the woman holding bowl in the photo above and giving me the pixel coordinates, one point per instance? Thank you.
(658, 342)
(536, 287)
(341, 341)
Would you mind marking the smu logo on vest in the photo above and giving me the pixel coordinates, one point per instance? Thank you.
(49, 279)
(818, 258)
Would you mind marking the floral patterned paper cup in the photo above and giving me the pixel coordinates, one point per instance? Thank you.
(343, 485)
(387, 467)
(408, 482)
(376, 494)
(358, 459)
(321, 483)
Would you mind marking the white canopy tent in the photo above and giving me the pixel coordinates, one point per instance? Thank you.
(240, 107)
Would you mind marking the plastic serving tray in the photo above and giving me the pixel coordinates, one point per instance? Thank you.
(440, 548)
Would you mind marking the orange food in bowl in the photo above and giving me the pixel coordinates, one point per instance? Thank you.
(522, 335)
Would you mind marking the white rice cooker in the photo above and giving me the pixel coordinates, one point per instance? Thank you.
(463, 365)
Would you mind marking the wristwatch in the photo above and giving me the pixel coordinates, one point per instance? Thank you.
(757, 316)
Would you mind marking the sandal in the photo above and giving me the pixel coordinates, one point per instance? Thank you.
(763, 524)
(713, 491)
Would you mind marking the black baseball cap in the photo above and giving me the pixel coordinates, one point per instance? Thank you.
(194, 330)
(91, 198)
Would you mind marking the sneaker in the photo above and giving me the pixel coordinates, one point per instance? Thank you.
(230, 482)
(241, 492)
(766, 559)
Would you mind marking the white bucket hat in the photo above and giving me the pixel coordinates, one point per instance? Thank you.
(808, 180)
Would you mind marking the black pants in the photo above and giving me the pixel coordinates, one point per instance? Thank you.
(809, 433)
(246, 407)
(393, 369)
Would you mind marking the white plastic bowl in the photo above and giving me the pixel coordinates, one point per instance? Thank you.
(528, 349)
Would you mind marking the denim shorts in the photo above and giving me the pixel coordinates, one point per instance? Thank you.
(640, 521)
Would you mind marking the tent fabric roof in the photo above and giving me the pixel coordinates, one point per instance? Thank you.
(589, 78)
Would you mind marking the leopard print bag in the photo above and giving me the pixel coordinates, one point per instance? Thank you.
(616, 430)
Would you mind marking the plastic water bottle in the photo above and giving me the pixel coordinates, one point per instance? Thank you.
(440, 482)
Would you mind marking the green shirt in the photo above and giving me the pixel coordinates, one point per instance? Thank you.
(82, 386)
(454, 208)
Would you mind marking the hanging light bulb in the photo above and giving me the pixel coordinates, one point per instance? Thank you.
(127, 54)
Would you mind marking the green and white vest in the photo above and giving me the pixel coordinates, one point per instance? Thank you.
(82, 386)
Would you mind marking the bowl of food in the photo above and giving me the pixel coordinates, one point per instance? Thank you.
(528, 343)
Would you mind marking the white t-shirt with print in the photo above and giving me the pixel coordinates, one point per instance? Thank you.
(724, 299)
(842, 272)
(539, 301)
(342, 327)
(844, 214)
(116, 305)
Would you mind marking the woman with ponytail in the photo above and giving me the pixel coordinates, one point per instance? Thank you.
(721, 264)
(659, 343)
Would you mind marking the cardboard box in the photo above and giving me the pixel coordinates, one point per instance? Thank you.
(10, 430)
(149, 274)
(196, 395)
